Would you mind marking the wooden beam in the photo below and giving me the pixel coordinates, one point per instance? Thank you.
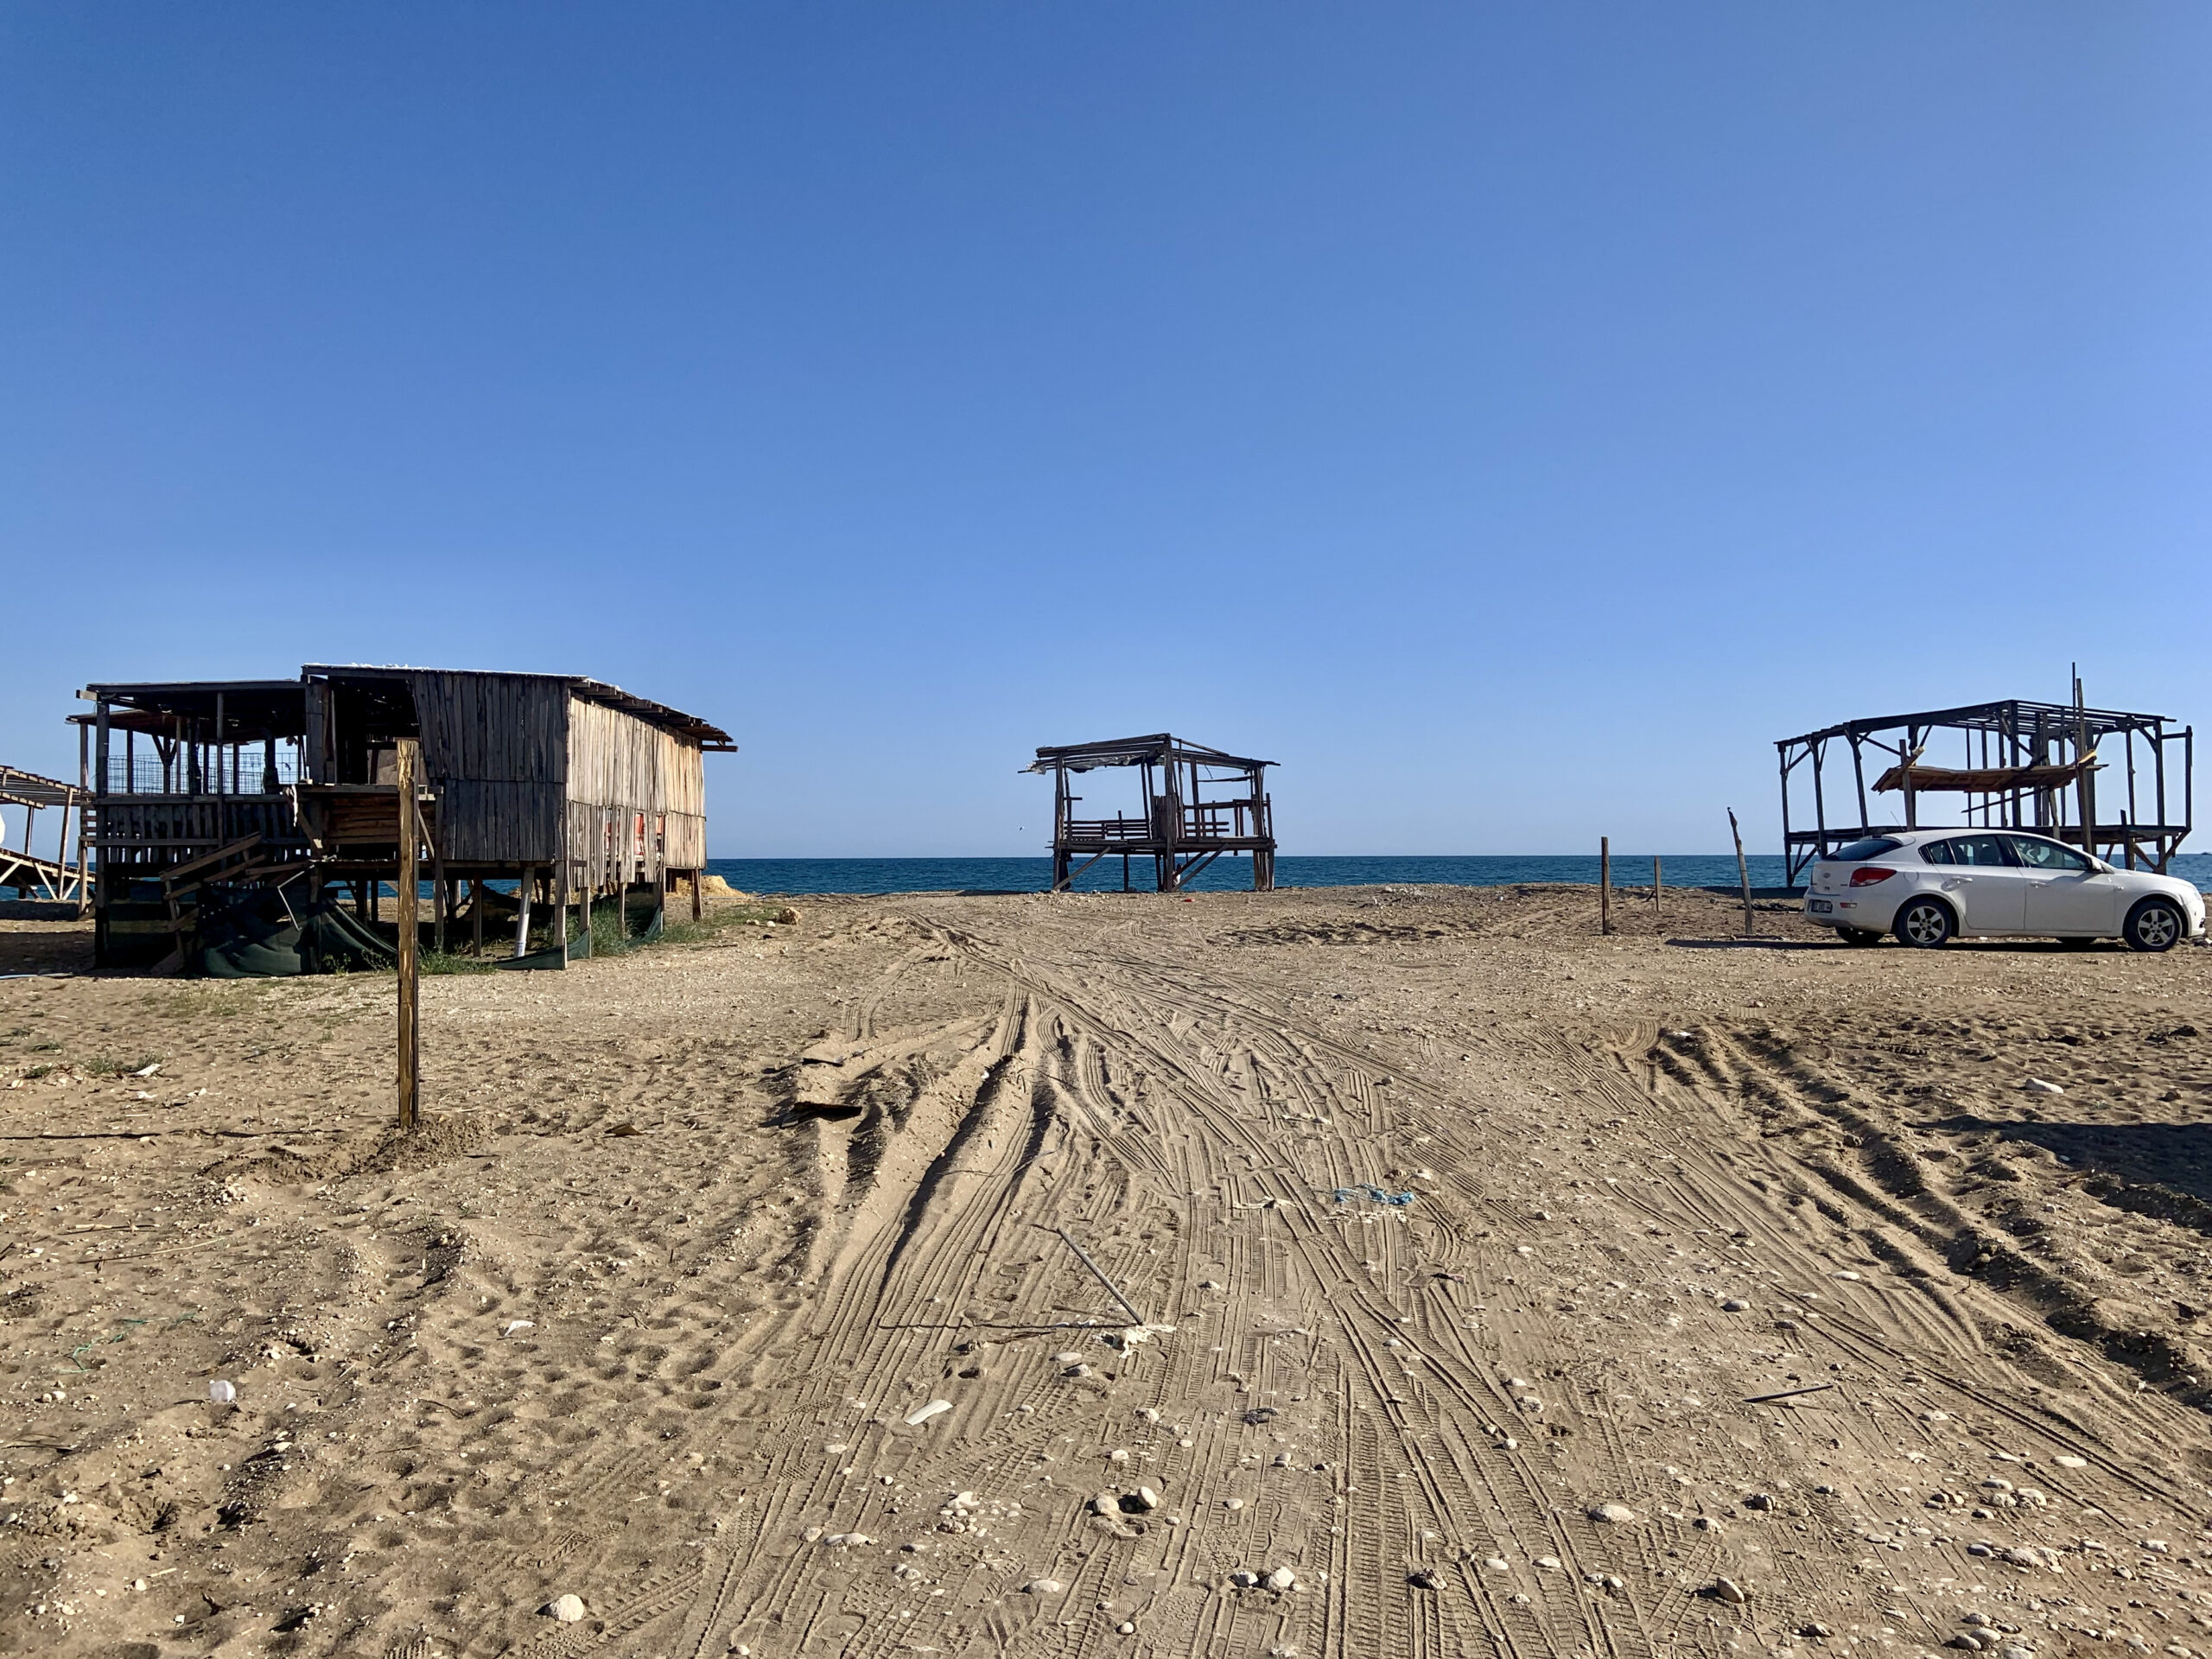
(1604, 884)
(411, 1055)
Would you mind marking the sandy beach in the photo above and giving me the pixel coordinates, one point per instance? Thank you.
(1465, 1283)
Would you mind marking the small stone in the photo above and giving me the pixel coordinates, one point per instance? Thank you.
(1143, 1501)
(1549, 1563)
(1106, 1503)
(1126, 1629)
(1975, 1619)
(1497, 1564)
(922, 1413)
(1705, 1523)
(965, 1501)
(1422, 1577)
(1042, 1587)
(1069, 1358)
(1076, 1370)
(567, 1609)
(2038, 1086)
(1232, 1503)
(1729, 1591)
(1243, 1580)
(2066, 1462)
(1280, 1579)
(847, 1540)
(1612, 1514)
(1813, 1627)
(1148, 1414)
(1735, 1305)
(1759, 1501)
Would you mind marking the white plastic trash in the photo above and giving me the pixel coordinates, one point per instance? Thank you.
(221, 1393)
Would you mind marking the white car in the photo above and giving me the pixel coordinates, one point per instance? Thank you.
(1930, 886)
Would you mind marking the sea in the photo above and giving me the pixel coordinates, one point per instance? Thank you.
(795, 876)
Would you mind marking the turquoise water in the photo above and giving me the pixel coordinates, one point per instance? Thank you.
(804, 875)
(801, 875)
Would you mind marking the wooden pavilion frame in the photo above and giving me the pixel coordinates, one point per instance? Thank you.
(1199, 804)
(2026, 766)
(56, 878)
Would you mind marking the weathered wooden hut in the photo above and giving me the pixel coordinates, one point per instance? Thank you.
(564, 785)
(1178, 827)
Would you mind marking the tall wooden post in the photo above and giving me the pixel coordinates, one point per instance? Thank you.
(1743, 871)
(476, 914)
(410, 883)
(103, 889)
(1655, 888)
(1605, 883)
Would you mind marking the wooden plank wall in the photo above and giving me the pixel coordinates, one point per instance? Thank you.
(637, 797)
(495, 747)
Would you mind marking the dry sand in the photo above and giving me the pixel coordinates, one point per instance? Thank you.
(1447, 1222)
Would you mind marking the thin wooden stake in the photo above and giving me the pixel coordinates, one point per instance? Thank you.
(410, 1051)
(1083, 1256)
(1743, 871)
(1604, 884)
(1656, 889)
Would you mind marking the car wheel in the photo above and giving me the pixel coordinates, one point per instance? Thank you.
(2154, 924)
(1925, 923)
(1860, 936)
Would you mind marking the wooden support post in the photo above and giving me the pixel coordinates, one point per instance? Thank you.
(1743, 871)
(1604, 884)
(1656, 889)
(101, 891)
(438, 905)
(698, 894)
(561, 902)
(411, 1055)
(476, 914)
(529, 879)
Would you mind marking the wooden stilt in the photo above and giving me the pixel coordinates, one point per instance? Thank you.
(411, 1055)
(1604, 884)
(521, 911)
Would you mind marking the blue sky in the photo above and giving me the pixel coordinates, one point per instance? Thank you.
(1511, 419)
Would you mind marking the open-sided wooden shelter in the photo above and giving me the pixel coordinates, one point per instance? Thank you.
(563, 784)
(1180, 829)
(2024, 765)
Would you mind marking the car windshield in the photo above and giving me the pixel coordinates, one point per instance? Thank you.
(2040, 855)
(1858, 852)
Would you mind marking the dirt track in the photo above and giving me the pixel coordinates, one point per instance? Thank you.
(1465, 1222)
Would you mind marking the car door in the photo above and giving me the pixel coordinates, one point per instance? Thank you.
(1989, 882)
(2065, 892)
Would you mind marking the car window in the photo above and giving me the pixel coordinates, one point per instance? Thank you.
(1985, 851)
(1935, 852)
(1858, 852)
(2039, 854)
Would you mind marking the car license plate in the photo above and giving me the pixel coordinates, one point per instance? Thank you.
(1819, 906)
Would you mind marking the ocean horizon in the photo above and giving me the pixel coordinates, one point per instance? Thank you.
(794, 877)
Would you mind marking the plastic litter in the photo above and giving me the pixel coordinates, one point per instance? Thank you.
(221, 1393)
(1346, 1194)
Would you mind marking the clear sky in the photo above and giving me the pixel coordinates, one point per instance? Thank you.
(1510, 418)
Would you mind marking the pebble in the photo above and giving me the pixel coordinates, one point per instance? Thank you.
(1422, 1577)
(1813, 1627)
(847, 1540)
(1617, 1515)
(1106, 1503)
(1759, 1501)
(1280, 1579)
(1148, 1414)
(221, 1393)
(1076, 1370)
(1126, 1628)
(1549, 1563)
(1497, 1564)
(2065, 1462)
(1144, 1500)
(1705, 1523)
(1729, 1591)
(567, 1609)
(1243, 1580)
(1735, 1305)
(1232, 1503)
(1068, 1358)
(1042, 1587)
